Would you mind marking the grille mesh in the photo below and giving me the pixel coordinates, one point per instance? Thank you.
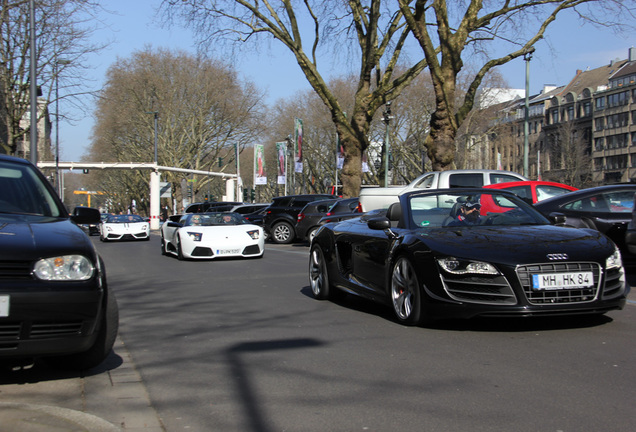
(15, 270)
(577, 295)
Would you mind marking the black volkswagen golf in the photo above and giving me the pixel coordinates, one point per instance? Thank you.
(54, 299)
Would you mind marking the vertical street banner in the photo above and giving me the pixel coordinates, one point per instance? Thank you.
(259, 165)
(281, 151)
(298, 142)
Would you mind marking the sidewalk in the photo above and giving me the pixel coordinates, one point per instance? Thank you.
(109, 399)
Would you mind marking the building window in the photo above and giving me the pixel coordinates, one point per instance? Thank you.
(598, 123)
(600, 103)
(555, 116)
(598, 164)
(617, 120)
(587, 109)
(617, 141)
(571, 113)
(616, 162)
(618, 99)
(634, 138)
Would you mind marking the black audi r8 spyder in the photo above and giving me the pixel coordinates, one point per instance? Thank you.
(464, 253)
(54, 299)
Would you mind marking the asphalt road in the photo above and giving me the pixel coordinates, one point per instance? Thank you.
(240, 345)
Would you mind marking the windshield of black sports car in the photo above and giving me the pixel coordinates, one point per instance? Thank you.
(22, 191)
(212, 219)
(471, 209)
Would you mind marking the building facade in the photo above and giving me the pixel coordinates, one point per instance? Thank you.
(583, 133)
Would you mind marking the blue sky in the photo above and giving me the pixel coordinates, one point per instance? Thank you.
(567, 47)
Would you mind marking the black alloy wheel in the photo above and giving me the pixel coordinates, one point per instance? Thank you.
(318, 276)
(405, 292)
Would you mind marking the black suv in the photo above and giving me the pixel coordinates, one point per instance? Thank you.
(280, 220)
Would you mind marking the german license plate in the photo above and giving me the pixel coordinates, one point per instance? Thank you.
(559, 281)
(4, 306)
(227, 251)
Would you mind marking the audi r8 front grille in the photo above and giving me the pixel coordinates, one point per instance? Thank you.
(15, 270)
(614, 283)
(479, 289)
(565, 295)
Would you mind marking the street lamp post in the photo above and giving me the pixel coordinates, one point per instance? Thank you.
(58, 183)
(33, 133)
(526, 145)
(386, 118)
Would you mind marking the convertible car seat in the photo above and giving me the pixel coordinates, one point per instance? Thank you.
(394, 213)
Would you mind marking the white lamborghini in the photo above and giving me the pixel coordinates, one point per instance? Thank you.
(124, 227)
(211, 235)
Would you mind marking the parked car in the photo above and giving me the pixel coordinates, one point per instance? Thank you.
(630, 235)
(421, 261)
(246, 209)
(382, 197)
(55, 302)
(607, 209)
(310, 217)
(534, 191)
(124, 227)
(203, 207)
(211, 236)
(257, 217)
(89, 228)
(281, 215)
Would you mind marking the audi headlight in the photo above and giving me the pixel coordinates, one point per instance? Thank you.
(254, 234)
(195, 236)
(614, 260)
(460, 267)
(67, 268)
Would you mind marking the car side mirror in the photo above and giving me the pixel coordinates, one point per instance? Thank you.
(557, 218)
(379, 223)
(86, 215)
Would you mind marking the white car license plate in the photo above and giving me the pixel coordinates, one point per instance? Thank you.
(4, 306)
(558, 281)
(227, 251)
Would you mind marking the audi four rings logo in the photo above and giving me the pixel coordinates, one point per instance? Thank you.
(554, 257)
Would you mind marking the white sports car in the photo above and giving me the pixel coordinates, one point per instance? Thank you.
(124, 227)
(211, 235)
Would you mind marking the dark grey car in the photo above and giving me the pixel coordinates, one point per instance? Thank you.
(309, 218)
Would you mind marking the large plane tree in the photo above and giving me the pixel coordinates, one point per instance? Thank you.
(377, 33)
(501, 31)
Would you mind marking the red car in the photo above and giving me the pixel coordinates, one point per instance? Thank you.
(534, 191)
